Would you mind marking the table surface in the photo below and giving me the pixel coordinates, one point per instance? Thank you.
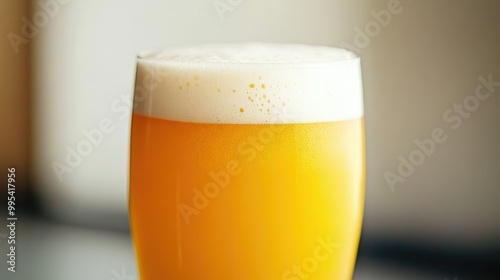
(47, 250)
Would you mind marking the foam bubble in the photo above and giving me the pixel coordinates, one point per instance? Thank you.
(249, 83)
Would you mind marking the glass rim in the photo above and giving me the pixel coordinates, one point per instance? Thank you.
(154, 56)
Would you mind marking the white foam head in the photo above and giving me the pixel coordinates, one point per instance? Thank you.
(249, 83)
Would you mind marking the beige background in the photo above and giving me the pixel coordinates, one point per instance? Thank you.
(13, 95)
(425, 60)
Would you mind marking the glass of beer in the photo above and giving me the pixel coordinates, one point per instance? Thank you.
(247, 163)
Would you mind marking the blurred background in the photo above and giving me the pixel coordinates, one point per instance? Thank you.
(66, 65)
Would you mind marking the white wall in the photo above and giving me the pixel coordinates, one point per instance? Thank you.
(427, 57)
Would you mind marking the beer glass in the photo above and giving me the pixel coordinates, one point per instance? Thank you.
(247, 163)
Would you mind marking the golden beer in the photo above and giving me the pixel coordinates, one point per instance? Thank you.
(248, 194)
